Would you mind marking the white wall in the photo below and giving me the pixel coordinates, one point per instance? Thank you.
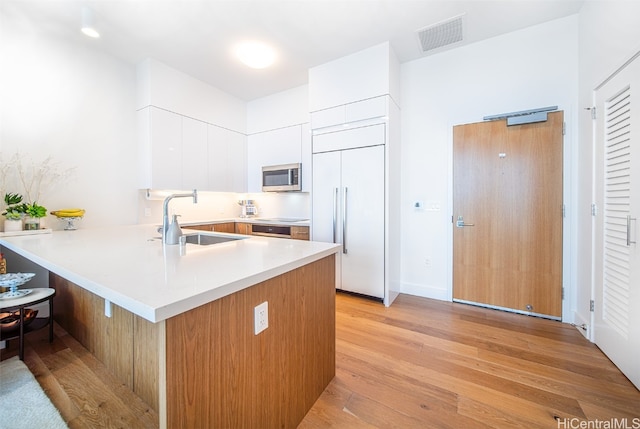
(534, 67)
(609, 35)
(76, 104)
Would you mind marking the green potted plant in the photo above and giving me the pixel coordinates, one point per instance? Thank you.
(14, 212)
(34, 213)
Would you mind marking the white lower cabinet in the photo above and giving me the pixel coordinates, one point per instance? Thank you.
(348, 207)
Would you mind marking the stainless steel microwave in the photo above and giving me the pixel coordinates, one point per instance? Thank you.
(281, 178)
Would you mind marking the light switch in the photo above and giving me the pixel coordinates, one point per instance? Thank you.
(432, 206)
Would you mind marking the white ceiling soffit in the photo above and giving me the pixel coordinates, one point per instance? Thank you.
(441, 34)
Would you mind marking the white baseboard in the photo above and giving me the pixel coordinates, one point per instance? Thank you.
(425, 291)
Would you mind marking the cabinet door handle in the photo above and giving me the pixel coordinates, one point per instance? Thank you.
(335, 215)
(629, 241)
(344, 222)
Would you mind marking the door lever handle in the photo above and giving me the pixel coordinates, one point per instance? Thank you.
(460, 223)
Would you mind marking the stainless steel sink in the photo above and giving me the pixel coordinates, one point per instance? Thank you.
(206, 239)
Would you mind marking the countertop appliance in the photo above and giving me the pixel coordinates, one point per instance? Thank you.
(281, 178)
(249, 208)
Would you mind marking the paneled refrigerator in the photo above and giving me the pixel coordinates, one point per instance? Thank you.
(348, 207)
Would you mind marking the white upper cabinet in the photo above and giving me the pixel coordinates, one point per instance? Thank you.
(177, 152)
(371, 135)
(160, 149)
(174, 147)
(306, 161)
(366, 109)
(191, 135)
(194, 146)
(227, 160)
(366, 74)
(275, 147)
(349, 114)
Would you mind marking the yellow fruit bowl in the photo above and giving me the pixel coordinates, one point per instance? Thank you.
(67, 213)
(69, 216)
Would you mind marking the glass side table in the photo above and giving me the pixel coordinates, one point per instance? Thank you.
(36, 296)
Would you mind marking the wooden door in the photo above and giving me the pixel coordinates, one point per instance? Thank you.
(507, 198)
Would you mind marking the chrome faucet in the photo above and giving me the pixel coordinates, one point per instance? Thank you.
(165, 212)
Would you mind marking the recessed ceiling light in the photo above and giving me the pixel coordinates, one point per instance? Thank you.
(90, 31)
(254, 54)
(87, 23)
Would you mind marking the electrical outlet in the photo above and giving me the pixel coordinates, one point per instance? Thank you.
(427, 262)
(147, 212)
(261, 317)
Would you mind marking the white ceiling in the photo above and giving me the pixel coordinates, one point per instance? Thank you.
(195, 36)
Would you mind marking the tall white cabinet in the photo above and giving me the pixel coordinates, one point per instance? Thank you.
(348, 208)
(355, 126)
(351, 196)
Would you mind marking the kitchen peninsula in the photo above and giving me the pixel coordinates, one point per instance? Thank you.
(176, 323)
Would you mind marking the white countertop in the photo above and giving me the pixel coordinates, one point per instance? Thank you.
(133, 270)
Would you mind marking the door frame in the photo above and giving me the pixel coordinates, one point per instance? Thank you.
(569, 220)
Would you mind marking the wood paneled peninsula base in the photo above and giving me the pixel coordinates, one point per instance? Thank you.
(205, 368)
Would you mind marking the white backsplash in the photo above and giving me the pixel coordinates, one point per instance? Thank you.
(223, 205)
(281, 204)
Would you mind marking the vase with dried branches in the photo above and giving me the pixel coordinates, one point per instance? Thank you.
(35, 178)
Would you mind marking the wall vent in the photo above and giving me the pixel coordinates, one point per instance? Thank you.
(441, 34)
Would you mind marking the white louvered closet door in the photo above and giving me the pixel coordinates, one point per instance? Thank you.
(617, 271)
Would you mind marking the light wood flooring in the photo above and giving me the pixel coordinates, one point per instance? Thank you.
(417, 364)
(82, 389)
